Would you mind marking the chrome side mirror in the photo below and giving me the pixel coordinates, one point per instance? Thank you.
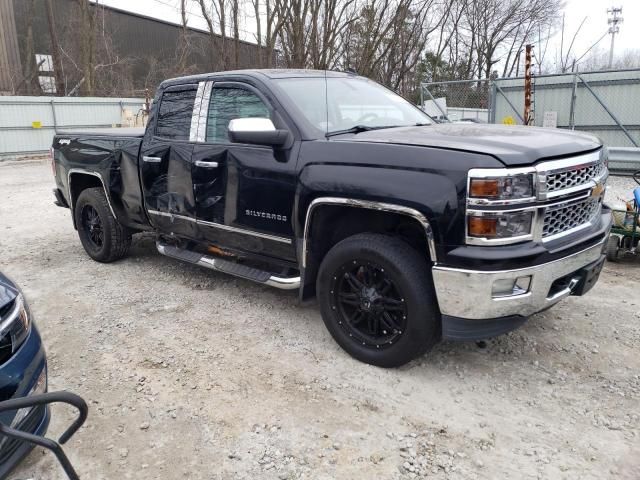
(256, 130)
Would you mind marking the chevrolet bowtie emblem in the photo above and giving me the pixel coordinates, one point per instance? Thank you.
(596, 192)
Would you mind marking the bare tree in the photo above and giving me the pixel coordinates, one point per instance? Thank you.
(55, 49)
(235, 21)
(448, 39)
(270, 16)
(567, 59)
(293, 35)
(216, 12)
(183, 47)
(388, 39)
(498, 29)
(88, 40)
(30, 80)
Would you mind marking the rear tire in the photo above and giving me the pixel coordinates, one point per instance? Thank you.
(613, 248)
(103, 238)
(377, 299)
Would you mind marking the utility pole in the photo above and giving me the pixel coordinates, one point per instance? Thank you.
(615, 17)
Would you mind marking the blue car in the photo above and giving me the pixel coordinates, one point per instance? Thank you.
(23, 373)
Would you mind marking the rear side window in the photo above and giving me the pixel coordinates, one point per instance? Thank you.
(174, 115)
(228, 103)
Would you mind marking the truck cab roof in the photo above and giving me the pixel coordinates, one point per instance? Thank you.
(259, 74)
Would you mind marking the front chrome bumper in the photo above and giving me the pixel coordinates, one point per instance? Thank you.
(468, 293)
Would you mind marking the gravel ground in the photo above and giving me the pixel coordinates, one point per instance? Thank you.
(194, 374)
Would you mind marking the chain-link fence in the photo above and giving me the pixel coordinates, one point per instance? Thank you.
(457, 100)
(605, 104)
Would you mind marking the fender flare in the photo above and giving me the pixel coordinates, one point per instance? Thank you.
(81, 171)
(371, 205)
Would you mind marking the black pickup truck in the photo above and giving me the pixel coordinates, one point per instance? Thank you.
(406, 231)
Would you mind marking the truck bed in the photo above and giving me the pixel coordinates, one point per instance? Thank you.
(105, 157)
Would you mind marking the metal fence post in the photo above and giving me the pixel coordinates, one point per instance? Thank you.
(55, 120)
(572, 109)
(436, 103)
(492, 102)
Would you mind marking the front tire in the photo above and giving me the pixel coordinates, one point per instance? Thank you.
(613, 248)
(103, 238)
(377, 299)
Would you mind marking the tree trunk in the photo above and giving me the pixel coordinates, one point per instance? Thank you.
(236, 33)
(32, 85)
(87, 53)
(55, 50)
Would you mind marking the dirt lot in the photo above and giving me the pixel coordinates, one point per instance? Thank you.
(194, 374)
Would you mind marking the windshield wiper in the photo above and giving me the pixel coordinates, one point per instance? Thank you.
(357, 129)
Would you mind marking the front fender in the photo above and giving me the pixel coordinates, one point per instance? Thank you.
(434, 195)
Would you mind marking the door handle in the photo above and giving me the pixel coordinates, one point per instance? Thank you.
(151, 159)
(203, 164)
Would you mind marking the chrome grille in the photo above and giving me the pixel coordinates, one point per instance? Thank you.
(574, 177)
(560, 219)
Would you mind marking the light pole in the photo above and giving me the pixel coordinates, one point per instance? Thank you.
(614, 18)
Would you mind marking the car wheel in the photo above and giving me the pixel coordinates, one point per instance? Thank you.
(103, 238)
(377, 299)
(613, 248)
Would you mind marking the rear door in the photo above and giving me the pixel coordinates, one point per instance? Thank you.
(165, 162)
(244, 193)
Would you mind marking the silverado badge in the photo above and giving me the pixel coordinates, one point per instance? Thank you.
(269, 216)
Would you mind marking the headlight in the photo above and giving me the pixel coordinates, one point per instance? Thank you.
(513, 187)
(14, 327)
(498, 226)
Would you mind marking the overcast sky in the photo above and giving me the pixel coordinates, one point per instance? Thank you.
(576, 10)
(596, 25)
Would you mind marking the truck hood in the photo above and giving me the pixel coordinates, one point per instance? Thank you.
(512, 145)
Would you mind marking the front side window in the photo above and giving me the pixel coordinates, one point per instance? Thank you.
(174, 114)
(335, 104)
(228, 103)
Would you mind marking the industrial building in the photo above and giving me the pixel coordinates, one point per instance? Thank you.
(132, 52)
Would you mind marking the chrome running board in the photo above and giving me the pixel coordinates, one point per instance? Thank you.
(232, 268)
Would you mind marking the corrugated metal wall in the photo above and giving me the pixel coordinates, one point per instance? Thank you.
(27, 124)
(595, 93)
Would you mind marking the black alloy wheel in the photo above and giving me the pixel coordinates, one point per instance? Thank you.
(101, 235)
(377, 299)
(374, 311)
(92, 224)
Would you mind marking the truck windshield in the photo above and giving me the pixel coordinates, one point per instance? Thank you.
(350, 104)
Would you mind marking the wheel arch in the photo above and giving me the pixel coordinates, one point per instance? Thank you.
(348, 219)
(79, 180)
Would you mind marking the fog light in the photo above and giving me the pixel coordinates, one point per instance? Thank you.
(509, 287)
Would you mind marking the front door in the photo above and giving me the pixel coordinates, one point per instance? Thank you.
(243, 193)
(165, 163)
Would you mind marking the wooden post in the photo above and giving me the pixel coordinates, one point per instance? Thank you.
(527, 85)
